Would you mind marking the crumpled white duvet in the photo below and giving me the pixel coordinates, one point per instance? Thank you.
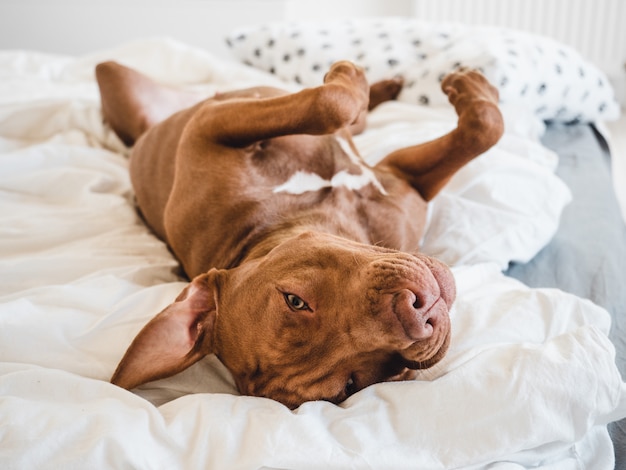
(529, 382)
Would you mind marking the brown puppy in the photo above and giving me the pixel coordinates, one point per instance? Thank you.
(306, 279)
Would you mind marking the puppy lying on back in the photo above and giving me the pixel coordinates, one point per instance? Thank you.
(306, 278)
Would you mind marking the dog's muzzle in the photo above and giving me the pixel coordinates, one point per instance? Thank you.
(411, 296)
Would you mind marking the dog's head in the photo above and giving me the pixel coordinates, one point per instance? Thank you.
(319, 317)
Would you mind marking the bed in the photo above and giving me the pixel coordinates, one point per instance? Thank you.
(531, 379)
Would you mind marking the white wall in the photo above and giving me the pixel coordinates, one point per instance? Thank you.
(80, 26)
(321, 9)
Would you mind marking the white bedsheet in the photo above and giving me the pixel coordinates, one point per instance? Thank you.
(529, 382)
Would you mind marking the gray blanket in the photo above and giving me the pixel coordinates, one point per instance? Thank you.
(587, 256)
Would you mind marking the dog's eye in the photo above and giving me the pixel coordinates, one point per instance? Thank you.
(295, 302)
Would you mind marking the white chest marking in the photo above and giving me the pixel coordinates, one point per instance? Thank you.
(302, 181)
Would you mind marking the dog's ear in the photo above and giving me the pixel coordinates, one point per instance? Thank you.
(176, 338)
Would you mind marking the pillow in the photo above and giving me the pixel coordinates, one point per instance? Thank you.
(548, 77)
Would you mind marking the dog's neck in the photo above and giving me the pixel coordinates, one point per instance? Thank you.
(313, 221)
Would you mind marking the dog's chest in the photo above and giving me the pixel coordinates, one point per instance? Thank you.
(347, 169)
(303, 165)
(300, 174)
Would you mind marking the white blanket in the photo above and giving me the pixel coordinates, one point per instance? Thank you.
(529, 382)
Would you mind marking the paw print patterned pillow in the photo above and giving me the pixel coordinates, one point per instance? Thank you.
(550, 78)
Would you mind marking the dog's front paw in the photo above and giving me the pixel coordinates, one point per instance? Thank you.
(352, 79)
(346, 72)
(466, 87)
(476, 103)
(342, 99)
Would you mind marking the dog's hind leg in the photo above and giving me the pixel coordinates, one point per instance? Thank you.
(133, 102)
(384, 90)
(429, 166)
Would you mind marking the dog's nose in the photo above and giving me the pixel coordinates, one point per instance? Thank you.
(419, 313)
